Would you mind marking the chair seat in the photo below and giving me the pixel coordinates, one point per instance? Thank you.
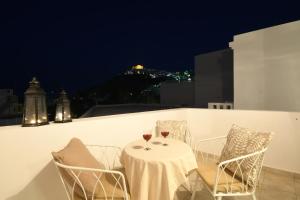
(108, 182)
(208, 170)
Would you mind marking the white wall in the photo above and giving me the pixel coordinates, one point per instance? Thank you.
(267, 68)
(27, 172)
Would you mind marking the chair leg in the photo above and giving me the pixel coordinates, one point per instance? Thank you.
(193, 195)
(219, 198)
(253, 196)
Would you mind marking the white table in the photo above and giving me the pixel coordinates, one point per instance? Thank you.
(156, 174)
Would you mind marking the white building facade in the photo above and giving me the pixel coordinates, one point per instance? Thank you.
(267, 68)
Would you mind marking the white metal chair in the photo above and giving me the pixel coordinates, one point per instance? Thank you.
(108, 182)
(221, 182)
(177, 129)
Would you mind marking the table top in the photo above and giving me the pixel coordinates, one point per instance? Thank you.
(158, 153)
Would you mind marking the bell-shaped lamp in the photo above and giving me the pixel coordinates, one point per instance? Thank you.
(63, 112)
(35, 109)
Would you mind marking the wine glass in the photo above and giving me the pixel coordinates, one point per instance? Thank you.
(147, 137)
(165, 134)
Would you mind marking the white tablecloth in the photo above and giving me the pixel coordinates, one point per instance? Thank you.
(156, 174)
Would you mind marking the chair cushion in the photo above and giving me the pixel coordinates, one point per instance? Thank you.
(113, 189)
(176, 129)
(108, 182)
(242, 141)
(207, 169)
(76, 154)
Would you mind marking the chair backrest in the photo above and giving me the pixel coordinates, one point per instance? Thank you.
(109, 156)
(177, 129)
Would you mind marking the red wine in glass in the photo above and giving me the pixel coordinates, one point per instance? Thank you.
(147, 137)
(164, 134)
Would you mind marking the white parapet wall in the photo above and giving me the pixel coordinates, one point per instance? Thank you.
(27, 172)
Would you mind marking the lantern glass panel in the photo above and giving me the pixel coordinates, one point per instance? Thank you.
(35, 110)
(59, 115)
(42, 114)
(30, 110)
(63, 112)
(67, 112)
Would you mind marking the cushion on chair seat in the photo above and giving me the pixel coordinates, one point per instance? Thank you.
(208, 171)
(108, 182)
(112, 188)
(76, 154)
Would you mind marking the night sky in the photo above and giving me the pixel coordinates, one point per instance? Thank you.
(77, 44)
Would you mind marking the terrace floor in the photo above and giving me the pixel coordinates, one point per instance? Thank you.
(274, 185)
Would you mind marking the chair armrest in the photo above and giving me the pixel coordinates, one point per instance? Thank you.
(88, 169)
(226, 162)
(212, 139)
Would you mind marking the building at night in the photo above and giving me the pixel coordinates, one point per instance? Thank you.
(177, 93)
(267, 68)
(213, 82)
(260, 71)
(214, 77)
(10, 108)
(9, 105)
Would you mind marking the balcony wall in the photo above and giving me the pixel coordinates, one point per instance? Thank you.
(28, 173)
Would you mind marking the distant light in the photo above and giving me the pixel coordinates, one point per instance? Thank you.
(138, 67)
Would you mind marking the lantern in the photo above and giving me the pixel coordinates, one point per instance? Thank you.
(63, 112)
(35, 110)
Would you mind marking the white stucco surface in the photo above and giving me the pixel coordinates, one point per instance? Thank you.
(267, 68)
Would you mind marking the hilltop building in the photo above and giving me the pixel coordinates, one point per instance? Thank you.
(214, 77)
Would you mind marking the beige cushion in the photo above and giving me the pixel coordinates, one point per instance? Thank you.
(207, 170)
(76, 154)
(108, 182)
(177, 129)
(242, 141)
